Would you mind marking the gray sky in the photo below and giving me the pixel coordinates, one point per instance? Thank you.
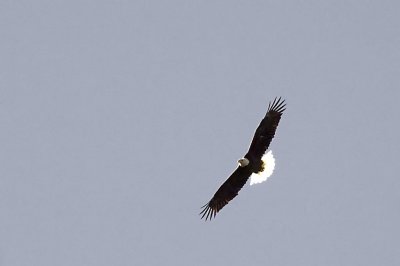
(119, 119)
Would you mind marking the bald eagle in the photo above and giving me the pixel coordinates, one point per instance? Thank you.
(255, 162)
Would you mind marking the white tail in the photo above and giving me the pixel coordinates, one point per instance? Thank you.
(269, 166)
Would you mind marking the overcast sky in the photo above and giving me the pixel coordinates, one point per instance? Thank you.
(120, 119)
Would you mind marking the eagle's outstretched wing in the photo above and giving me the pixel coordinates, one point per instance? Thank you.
(226, 192)
(266, 130)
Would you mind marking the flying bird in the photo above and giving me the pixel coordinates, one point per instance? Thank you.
(254, 163)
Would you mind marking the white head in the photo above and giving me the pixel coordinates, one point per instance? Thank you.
(243, 162)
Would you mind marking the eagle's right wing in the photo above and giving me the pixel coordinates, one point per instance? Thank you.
(266, 130)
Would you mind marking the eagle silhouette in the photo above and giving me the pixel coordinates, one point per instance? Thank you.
(251, 163)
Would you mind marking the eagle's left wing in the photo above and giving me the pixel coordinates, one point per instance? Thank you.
(227, 191)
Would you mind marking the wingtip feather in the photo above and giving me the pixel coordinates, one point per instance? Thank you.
(207, 212)
(277, 105)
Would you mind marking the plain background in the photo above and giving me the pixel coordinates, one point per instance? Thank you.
(119, 119)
